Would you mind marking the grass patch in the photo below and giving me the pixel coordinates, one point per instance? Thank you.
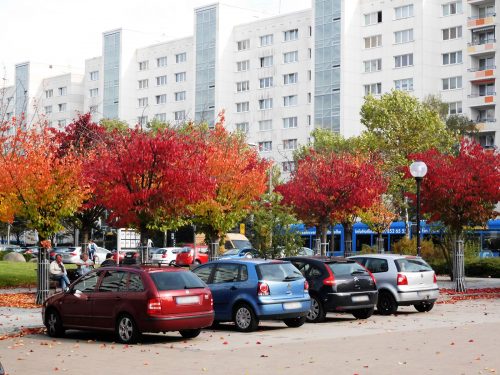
(16, 274)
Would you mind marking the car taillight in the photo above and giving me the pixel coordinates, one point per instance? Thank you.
(52, 253)
(330, 280)
(306, 286)
(435, 278)
(263, 289)
(73, 254)
(402, 280)
(136, 255)
(154, 306)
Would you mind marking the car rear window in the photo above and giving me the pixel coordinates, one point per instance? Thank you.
(176, 280)
(278, 272)
(412, 265)
(346, 269)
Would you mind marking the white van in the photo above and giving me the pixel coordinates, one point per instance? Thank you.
(236, 241)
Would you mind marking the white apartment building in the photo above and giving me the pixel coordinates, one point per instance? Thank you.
(277, 78)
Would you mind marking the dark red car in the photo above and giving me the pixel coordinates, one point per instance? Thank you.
(189, 255)
(131, 300)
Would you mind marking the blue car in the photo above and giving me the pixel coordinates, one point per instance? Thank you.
(248, 290)
(240, 253)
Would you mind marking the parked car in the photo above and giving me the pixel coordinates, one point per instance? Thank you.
(31, 250)
(337, 285)
(14, 248)
(164, 255)
(130, 301)
(57, 250)
(240, 253)
(189, 255)
(100, 255)
(131, 257)
(248, 290)
(306, 252)
(236, 241)
(402, 280)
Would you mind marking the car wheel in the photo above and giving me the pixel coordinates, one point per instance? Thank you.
(126, 330)
(244, 318)
(172, 263)
(424, 306)
(54, 325)
(317, 312)
(363, 313)
(190, 333)
(386, 304)
(295, 322)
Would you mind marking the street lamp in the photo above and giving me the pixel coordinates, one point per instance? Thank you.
(418, 169)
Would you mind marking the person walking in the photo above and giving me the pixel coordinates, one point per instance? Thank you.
(58, 272)
(91, 249)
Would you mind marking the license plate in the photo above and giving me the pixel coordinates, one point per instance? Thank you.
(360, 299)
(292, 305)
(188, 300)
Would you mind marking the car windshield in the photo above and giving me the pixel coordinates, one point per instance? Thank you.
(176, 280)
(242, 244)
(232, 252)
(412, 265)
(278, 272)
(347, 268)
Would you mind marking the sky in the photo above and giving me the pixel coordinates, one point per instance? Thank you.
(66, 32)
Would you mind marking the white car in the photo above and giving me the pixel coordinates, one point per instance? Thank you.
(165, 255)
(74, 255)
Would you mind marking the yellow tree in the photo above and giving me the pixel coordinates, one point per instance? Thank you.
(378, 217)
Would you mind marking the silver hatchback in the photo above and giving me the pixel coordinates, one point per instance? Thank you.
(402, 280)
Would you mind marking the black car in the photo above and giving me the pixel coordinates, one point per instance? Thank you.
(337, 285)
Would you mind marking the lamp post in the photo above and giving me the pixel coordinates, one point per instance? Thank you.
(418, 169)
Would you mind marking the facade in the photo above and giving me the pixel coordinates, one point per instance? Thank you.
(277, 78)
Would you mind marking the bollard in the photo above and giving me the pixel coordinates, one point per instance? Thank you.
(459, 267)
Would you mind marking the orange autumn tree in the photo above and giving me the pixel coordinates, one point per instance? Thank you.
(379, 218)
(239, 177)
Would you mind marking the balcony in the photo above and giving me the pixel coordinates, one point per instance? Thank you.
(479, 74)
(476, 21)
(477, 48)
(475, 100)
(478, 2)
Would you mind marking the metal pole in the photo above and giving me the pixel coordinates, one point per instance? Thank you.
(418, 180)
(458, 267)
(42, 276)
(348, 248)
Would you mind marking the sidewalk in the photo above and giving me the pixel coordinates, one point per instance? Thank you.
(470, 282)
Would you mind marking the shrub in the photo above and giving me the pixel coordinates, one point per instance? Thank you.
(428, 250)
(488, 267)
(367, 249)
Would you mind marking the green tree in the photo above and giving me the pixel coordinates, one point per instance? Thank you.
(113, 124)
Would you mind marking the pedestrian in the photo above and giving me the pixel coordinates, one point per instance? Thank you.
(85, 265)
(150, 243)
(58, 272)
(109, 260)
(91, 249)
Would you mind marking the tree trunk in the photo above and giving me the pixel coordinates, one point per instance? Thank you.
(324, 233)
(347, 239)
(332, 238)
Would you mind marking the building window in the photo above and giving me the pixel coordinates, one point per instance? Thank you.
(180, 77)
(266, 61)
(290, 78)
(373, 88)
(404, 84)
(62, 91)
(242, 127)
(49, 93)
(161, 99)
(373, 41)
(289, 100)
(309, 75)
(288, 166)
(142, 102)
(452, 58)
(265, 125)
(61, 123)
(403, 36)
(48, 110)
(161, 80)
(289, 144)
(180, 57)
(290, 57)
(242, 107)
(94, 76)
(161, 61)
(266, 82)
(405, 11)
(289, 122)
(93, 93)
(452, 33)
(452, 8)
(486, 89)
(265, 146)
(266, 103)
(452, 83)
(243, 44)
(142, 120)
(309, 98)
(179, 115)
(162, 117)
(402, 61)
(266, 40)
(454, 108)
(373, 65)
(143, 65)
(242, 86)
(243, 66)
(62, 107)
(180, 96)
(373, 18)
(93, 109)
(486, 115)
(308, 119)
(143, 84)
(291, 35)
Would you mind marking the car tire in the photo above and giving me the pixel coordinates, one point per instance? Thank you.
(244, 318)
(317, 311)
(126, 330)
(386, 304)
(363, 313)
(424, 306)
(53, 322)
(172, 263)
(190, 333)
(295, 322)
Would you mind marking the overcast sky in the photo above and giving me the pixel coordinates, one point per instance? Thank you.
(66, 32)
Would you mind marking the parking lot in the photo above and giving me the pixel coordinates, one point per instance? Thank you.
(458, 338)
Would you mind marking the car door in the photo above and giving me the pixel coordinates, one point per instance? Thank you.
(109, 295)
(224, 285)
(76, 306)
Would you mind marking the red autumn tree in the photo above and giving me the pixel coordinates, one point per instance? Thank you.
(331, 186)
